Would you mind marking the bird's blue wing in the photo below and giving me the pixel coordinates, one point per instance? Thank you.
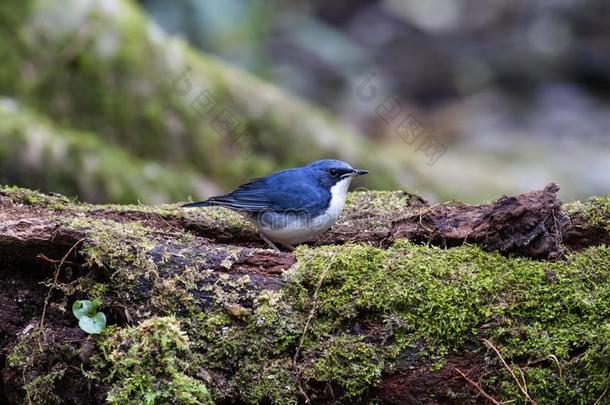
(249, 197)
(299, 197)
(280, 192)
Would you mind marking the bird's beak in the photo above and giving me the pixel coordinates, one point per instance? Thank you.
(356, 172)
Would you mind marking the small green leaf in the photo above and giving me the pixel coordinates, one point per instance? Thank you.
(93, 325)
(95, 304)
(80, 308)
(85, 308)
(89, 319)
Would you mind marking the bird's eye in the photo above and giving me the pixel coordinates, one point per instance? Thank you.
(334, 172)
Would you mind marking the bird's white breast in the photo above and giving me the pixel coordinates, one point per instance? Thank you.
(338, 193)
(300, 230)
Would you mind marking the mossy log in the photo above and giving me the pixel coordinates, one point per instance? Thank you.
(401, 302)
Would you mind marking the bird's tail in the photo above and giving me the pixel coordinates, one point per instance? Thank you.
(206, 203)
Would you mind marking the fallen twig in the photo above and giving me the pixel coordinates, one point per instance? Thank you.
(424, 212)
(478, 387)
(522, 386)
(55, 276)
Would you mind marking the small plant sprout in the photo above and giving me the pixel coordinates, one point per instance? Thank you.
(89, 319)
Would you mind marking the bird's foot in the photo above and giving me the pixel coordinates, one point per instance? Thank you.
(271, 244)
(274, 246)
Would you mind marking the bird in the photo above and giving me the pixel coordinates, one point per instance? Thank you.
(291, 206)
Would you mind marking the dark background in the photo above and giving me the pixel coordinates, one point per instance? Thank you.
(518, 91)
(515, 94)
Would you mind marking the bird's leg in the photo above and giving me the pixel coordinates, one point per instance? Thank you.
(266, 239)
(289, 247)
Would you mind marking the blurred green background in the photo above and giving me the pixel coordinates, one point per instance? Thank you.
(161, 101)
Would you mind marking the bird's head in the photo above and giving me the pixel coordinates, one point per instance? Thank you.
(329, 172)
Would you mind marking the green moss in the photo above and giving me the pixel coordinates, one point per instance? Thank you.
(97, 291)
(381, 201)
(247, 337)
(23, 196)
(412, 298)
(595, 211)
(345, 360)
(217, 219)
(267, 381)
(416, 296)
(152, 363)
(435, 300)
(35, 198)
(38, 359)
(434, 295)
(114, 245)
(40, 390)
(374, 210)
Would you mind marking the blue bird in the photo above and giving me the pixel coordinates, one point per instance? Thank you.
(294, 205)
